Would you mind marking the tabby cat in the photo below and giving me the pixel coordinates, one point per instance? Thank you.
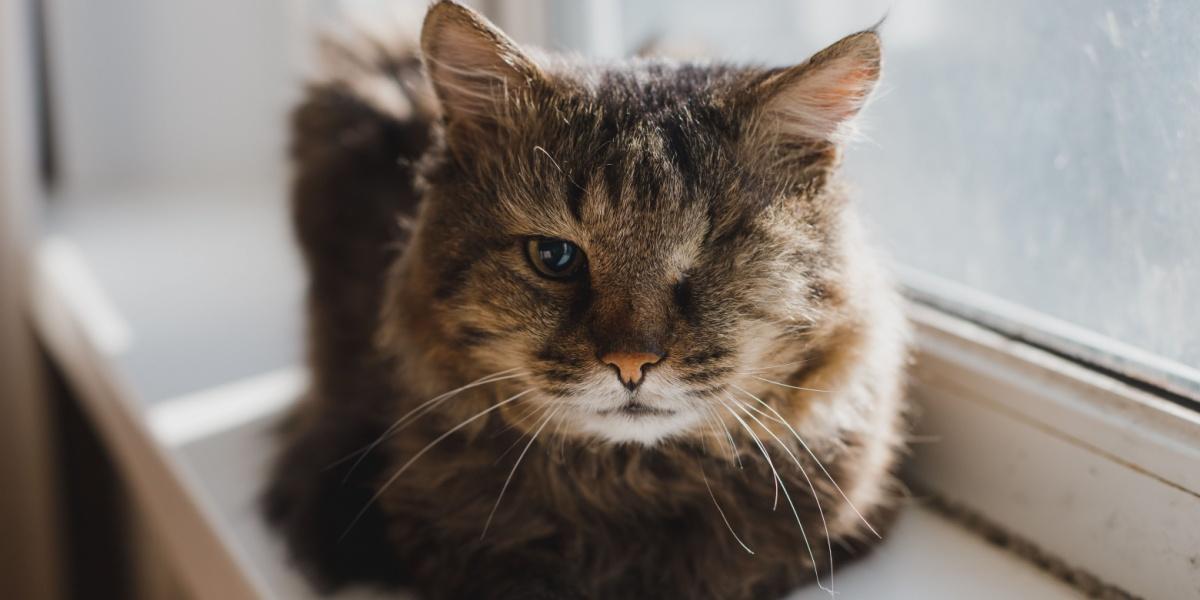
(586, 330)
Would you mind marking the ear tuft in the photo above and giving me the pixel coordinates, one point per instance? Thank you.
(818, 99)
(475, 69)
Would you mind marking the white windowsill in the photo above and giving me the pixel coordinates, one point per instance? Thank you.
(193, 451)
(1093, 471)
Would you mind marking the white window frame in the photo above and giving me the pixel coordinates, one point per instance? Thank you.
(1091, 470)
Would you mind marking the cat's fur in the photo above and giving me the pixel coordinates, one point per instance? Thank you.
(715, 232)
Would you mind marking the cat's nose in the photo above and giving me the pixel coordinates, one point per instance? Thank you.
(631, 365)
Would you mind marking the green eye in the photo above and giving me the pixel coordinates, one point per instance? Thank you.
(556, 259)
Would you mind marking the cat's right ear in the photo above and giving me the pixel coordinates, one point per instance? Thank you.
(816, 102)
(476, 71)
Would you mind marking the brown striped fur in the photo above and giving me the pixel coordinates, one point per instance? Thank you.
(705, 198)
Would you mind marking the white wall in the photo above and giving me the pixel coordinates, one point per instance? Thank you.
(172, 90)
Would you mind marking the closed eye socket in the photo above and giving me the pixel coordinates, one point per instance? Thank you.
(554, 258)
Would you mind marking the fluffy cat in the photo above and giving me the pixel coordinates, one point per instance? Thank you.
(586, 330)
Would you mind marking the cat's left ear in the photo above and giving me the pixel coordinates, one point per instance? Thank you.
(816, 101)
(476, 70)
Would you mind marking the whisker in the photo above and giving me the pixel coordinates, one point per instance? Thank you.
(535, 410)
(520, 457)
(712, 432)
(335, 464)
(562, 441)
(722, 512)
(761, 449)
(737, 456)
(816, 497)
(538, 409)
(494, 377)
(786, 385)
(779, 483)
(529, 413)
(757, 370)
(428, 405)
(785, 423)
(422, 452)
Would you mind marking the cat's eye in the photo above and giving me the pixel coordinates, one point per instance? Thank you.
(554, 258)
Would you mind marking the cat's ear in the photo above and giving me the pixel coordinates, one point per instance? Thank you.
(475, 69)
(816, 101)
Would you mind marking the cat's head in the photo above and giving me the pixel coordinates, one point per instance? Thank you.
(626, 246)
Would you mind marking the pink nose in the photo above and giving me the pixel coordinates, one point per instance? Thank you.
(630, 365)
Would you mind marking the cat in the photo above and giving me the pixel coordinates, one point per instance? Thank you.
(586, 330)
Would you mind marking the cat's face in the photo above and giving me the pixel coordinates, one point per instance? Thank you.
(626, 247)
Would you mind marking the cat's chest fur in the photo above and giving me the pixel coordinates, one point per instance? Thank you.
(632, 522)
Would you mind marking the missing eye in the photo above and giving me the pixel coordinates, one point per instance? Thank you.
(554, 258)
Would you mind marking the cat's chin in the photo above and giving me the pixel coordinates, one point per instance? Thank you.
(636, 424)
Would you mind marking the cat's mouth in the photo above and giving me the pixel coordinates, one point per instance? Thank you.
(637, 409)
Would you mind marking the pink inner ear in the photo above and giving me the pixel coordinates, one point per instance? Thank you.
(850, 92)
(469, 74)
(818, 104)
(472, 65)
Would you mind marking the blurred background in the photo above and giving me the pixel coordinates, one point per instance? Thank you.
(1032, 166)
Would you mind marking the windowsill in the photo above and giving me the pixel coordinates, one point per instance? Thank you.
(161, 302)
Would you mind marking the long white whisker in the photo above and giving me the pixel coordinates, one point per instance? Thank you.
(429, 404)
(562, 441)
(521, 420)
(785, 423)
(494, 377)
(786, 495)
(422, 452)
(722, 512)
(757, 370)
(728, 436)
(424, 408)
(787, 385)
(540, 411)
(712, 431)
(513, 472)
(761, 448)
(816, 498)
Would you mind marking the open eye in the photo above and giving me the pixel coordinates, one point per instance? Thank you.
(556, 259)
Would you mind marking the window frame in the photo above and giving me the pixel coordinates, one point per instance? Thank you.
(1090, 463)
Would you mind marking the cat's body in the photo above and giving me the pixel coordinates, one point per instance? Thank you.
(717, 246)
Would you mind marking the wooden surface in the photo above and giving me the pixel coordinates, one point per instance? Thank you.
(29, 552)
